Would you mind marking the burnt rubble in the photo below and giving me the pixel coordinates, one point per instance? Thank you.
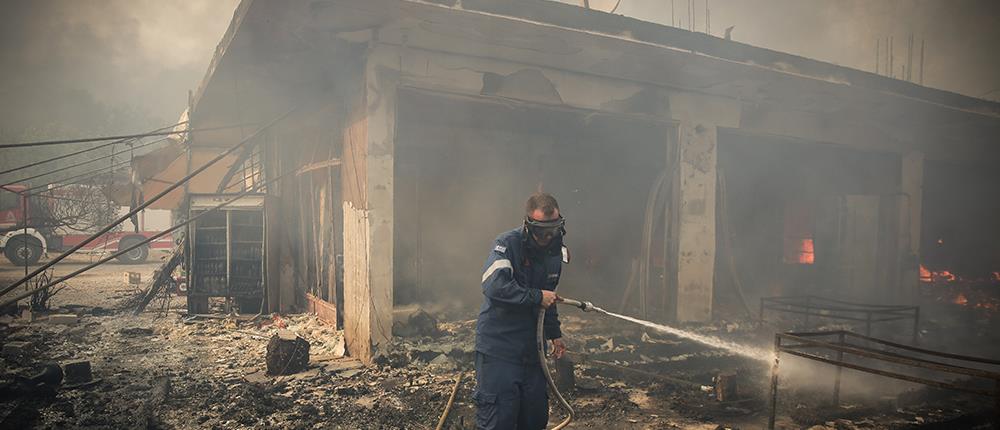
(187, 372)
(167, 369)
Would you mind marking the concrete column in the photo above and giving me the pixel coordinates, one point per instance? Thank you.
(368, 217)
(912, 189)
(695, 200)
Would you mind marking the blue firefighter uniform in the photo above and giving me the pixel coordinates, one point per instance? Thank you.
(510, 386)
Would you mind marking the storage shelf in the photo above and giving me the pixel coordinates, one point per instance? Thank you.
(232, 240)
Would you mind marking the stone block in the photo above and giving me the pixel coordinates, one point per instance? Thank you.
(287, 353)
(77, 372)
(16, 348)
(63, 319)
(132, 278)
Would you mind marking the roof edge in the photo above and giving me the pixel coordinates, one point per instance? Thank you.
(599, 22)
(220, 51)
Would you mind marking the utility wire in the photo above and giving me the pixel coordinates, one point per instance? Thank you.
(84, 162)
(126, 136)
(60, 157)
(88, 174)
(145, 204)
(80, 182)
(121, 252)
(61, 198)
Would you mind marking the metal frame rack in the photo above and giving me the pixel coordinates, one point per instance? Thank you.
(913, 359)
(821, 307)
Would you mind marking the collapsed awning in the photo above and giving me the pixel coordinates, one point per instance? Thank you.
(163, 167)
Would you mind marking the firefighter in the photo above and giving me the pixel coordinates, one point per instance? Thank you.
(520, 274)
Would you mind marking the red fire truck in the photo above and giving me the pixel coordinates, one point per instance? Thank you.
(25, 243)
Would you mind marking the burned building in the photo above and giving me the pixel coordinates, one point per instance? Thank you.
(395, 138)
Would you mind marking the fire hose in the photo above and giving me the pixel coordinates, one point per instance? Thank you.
(540, 343)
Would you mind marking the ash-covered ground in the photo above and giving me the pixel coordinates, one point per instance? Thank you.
(164, 369)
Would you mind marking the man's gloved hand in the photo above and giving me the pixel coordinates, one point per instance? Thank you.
(558, 348)
(548, 298)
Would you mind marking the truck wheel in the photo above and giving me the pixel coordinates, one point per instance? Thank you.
(23, 250)
(134, 256)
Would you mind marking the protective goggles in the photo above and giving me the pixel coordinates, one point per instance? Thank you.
(546, 229)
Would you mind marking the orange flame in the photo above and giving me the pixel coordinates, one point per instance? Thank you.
(807, 253)
(946, 275)
(960, 299)
(925, 275)
(988, 306)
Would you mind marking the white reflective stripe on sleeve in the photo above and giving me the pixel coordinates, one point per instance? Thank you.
(497, 265)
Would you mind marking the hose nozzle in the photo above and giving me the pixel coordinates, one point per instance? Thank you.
(584, 306)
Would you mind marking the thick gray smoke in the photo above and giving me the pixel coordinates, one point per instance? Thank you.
(89, 68)
(101, 66)
(961, 35)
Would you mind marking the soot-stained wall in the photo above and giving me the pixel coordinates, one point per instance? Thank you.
(960, 229)
(464, 169)
(779, 196)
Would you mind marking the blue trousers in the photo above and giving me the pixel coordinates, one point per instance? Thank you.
(510, 396)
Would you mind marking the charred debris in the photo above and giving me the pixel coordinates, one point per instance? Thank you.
(778, 242)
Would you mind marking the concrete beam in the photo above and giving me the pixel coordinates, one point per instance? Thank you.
(694, 197)
(474, 76)
(368, 216)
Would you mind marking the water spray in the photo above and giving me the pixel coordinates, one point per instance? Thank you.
(586, 306)
(711, 341)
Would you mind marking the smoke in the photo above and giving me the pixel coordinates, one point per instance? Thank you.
(85, 66)
(961, 36)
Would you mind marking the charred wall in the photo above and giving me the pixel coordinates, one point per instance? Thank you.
(464, 167)
(960, 228)
(805, 218)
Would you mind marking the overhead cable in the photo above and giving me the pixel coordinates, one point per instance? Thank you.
(86, 175)
(124, 251)
(92, 148)
(125, 136)
(22, 180)
(144, 205)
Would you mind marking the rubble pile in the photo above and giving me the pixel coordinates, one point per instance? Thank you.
(920, 407)
(81, 366)
(198, 372)
(183, 372)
